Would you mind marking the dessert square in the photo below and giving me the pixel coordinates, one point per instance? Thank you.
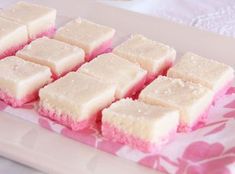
(60, 57)
(40, 20)
(20, 80)
(139, 125)
(75, 100)
(192, 100)
(93, 38)
(13, 36)
(128, 77)
(214, 75)
(152, 56)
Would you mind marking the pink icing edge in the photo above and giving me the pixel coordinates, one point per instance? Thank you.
(12, 101)
(105, 47)
(66, 120)
(113, 133)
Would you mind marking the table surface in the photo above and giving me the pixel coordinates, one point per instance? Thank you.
(211, 15)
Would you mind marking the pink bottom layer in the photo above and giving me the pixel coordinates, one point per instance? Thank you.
(49, 33)
(66, 120)
(163, 72)
(115, 134)
(11, 51)
(17, 102)
(135, 90)
(104, 48)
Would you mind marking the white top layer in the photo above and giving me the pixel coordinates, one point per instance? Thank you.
(113, 69)
(151, 55)
(209, 73)
(24, 12)
(78, 95)
(190, 98)
(148, 122)
(19, 78)
(36, 17)
(85, 34)
(11, 34)
(59, 56)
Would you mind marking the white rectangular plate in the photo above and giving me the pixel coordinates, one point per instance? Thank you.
(52, 153)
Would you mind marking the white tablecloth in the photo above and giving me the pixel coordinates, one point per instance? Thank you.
(212, 15)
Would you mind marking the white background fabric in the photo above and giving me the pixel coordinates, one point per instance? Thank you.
(212, 15)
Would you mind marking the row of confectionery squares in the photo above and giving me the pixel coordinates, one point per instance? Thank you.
(77, 80)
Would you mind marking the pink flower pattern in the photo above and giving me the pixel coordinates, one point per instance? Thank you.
(216, 130)
(230, 105)
(202, 158)
(230, 114)
(230, 91)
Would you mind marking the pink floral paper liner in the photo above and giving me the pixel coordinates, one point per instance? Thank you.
(210, 149)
